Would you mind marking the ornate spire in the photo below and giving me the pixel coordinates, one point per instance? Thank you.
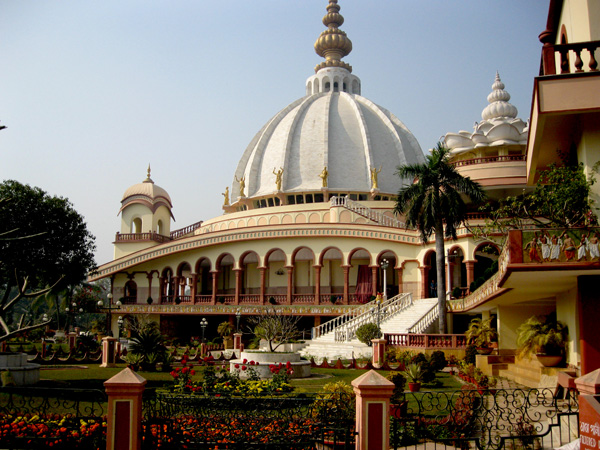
(498, 102)
(333, 44)
(148, 179)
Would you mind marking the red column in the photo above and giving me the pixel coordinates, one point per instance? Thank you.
(374, 280)
(378, 352)
(149, 276)
(317, 284)
(214, 274)
(346, 283)
(263, 282)
(424, 282)
(109, 352)
(290, 286)
(470, 265)
(161, 289)
(373, 394)
(124, 418)
(589, 318)
(589, 409)
(194, 287)
(238, 285)
(399, 275)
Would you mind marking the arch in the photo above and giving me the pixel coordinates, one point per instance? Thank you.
(231, 225)
(457, 268)
(300, 218)
(223, 226)
(274, 220)
(262, 221)
(316, 88)
(430, 274)
(130, 292)
(303, 259)
(287, 219)
(332, 280)
(314, 218)
(203, 276)
(309, 88)
(240, 223)
(355, 87)
(249, 263)
(225, 277)
(183, 289)
(251, 222)
(391, 279)
(361, 280)
(359, 253)
(136, 225)
(160, 228)
(485, 255)
(326, 84)
(167, 285)
(275, 279)
(345, 217)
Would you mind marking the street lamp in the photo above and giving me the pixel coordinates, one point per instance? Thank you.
(238, 316)
(120, 323)
(384, 265)
(109, 308)
(203, 324)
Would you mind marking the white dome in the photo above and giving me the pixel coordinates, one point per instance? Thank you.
(346, 133)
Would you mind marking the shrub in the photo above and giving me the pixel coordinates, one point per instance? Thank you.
(470, 352)
(438, 360)
(399, 381)
(428, 374)
(365, 333)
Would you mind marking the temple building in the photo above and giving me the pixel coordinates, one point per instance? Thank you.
(308, 227)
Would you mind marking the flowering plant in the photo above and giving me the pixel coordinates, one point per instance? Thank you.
(182, 377)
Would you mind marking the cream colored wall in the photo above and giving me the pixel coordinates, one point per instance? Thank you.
(252, 276)
(303, 275)
(134, 211)
(509, 319)
(588, 152)
(126, 248)
(274, 280)
(411, 278)
(163, 214)
(566, 312)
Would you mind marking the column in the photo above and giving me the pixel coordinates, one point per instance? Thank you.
(589, 318)
(238, 284)
(175, 289)
(374, 280)
(346, 283)
(193, 291)
(317, 283)
(378, 352)
(109, 352)
(124, 418)
(470, 265)
(399, 276)
(161, 289)
(149, 277)
(263, 282)
(373, 393)
(290, 283)
(214, 274)
(424, 282)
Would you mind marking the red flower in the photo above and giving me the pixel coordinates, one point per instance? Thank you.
(244, 361)
(237, 366)
(244, 367)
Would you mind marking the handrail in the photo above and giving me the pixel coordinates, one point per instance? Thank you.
(150, 236)
(371, 214)
(185, 230)
(489, 159)
(344, 326)
(425, 321)
(548, 66)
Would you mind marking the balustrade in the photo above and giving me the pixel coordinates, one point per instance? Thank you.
(489, 159)
(129, 300)
(249, 299)
(226, 299)
(203, 299)
(303, 299)
(426, 341)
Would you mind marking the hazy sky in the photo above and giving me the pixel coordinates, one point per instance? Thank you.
(93, 91)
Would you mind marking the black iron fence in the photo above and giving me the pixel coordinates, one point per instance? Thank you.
(174, 421)
(513, 419)
(35, 418)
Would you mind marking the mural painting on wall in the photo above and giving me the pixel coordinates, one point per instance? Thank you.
(560, 245)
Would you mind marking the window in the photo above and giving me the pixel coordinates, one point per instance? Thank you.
(291, 200)
(299, 199)
(353, 197)
(277, 201)
(309, 198)
(335, 87)
(270, 200)
(362, 197)
(263, 203)
(319, 198)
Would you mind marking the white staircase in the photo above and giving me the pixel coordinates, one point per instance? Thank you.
(336, 338)
(368, 213)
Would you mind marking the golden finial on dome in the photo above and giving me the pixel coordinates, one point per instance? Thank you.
(148, 179)
(333, 44)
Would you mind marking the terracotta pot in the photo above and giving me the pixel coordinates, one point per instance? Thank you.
(484, 350)
(549, 360)
(414, 387)
(398, 410)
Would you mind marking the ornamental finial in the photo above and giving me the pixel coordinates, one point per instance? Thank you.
(333, 44)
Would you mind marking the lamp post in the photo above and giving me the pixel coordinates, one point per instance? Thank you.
(384, 265)
(203, 324)
(238, 316)
(109, 308)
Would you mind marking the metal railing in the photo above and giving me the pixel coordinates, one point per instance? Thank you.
(345, 326)
(425, 321)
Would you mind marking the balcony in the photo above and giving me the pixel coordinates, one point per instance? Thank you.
(141, 237)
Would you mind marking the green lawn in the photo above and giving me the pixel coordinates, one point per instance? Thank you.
(94, 376)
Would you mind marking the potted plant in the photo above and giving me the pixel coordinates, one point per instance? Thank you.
(414, 375)
(481, 334)
(545, 337)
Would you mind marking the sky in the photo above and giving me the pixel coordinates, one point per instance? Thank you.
(91, 92)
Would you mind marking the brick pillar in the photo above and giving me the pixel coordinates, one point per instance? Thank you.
(238, 285)
(346, 283)
(203, 351)
(109, 352)
(237, 342)
(317, 284)
(424, 291)
(124, 418)
(470, 272)
(378, 352)
(589, 410)
(194, 287)
(71, 338)
(373, 394)
(399, 276)
(149, 276)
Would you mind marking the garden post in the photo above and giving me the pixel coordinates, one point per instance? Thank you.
(71, 337)
(373, 393)
(378, 352)
(109, 352)
(124, 423)
(237, 341)
(589, 410)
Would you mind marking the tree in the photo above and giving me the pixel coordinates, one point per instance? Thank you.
(44, 246)
(434, 204)
(560, 199)
(276, 329)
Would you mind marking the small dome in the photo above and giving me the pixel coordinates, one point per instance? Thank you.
(148, 194)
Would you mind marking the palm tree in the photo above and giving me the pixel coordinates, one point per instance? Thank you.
(435, 199)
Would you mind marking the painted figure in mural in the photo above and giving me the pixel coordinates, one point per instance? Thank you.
(323, 175)
(593, 246)
(545, 244)
(555, 246)
(374, 173)
(583, 247)
(533, 250)
(242, 182)
(278, 176)
(569, 246)
(226, 195)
